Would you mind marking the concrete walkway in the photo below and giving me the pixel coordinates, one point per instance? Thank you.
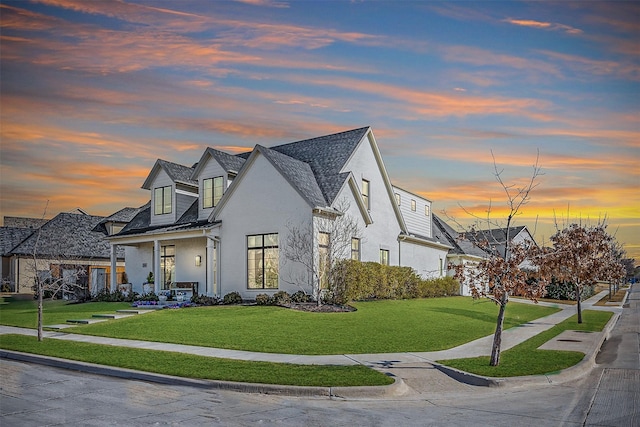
(417, 369)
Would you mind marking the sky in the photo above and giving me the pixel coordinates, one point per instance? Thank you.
(93, 92)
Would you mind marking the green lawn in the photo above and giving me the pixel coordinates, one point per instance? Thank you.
(25, 313)
(190, 366)
(526, 359)
(376, 327)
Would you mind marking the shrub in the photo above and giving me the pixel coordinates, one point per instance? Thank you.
(567, 291)
(300, 296)
(263, 299)
(205, 300)
(232, 298)
(281, 298)
(151, 296)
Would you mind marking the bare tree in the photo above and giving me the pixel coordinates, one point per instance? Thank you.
(507, 268)
(317, 245)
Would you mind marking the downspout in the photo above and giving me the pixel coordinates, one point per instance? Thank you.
(401, 238)
(217, 249)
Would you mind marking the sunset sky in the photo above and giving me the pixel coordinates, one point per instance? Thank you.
(92, 93)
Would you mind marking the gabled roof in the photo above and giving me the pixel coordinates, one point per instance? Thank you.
(68, 236)
(124, 215)
(326, 156)
(177, 173)
(22, 222)
(10, 237)
(140, 224)
(495, 238)
(230, 163)
(461, 245)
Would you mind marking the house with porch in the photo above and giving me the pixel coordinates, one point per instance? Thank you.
(222, 224)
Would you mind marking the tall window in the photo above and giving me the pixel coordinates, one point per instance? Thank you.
(365, 193)
(397, 199)
(162, 199)
(426, 210)
(413, 205)
(324, 240)
(263, 259)
(384, 257)
(167, 266)
(355, 249)
(212, 191)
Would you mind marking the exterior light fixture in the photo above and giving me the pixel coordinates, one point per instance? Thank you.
(198, 260)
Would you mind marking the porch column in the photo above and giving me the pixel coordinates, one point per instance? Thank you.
(113, 279)
(212, 269)
(156, 266)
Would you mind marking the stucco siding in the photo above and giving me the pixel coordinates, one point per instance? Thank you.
(428, 262)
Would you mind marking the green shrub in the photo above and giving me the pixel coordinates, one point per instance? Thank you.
(281, 298)
(205, 300)
(263, 299)
(357, 281)
(151, 296)
(232, 298)
(300, 296)
(567, 291)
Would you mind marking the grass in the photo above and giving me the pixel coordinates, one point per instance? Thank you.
(376, 327)
(24, 314)
(191, 366)
(526, 359)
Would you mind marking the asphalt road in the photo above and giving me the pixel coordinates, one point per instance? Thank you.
(35, 395)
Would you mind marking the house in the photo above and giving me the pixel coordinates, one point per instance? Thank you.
(12, 233)
(67, 245)
(222, 224)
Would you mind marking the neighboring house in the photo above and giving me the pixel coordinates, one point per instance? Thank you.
(471, 247)
(220, 226)
(12, 233)
(64, 244)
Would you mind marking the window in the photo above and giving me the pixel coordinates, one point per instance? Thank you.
(324, 258)
(162, 196)
(167, 266)
(413, 205)
(426, 210)
(263, 260)
(397, 199)
(384, 257)
(365, 192)
(212, 191)
(355, 249)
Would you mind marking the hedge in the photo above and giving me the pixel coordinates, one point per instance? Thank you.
(357, 281)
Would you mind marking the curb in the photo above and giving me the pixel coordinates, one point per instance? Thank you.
(574, 372)
(398, 388)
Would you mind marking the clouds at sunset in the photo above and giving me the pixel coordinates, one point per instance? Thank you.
(93, 93)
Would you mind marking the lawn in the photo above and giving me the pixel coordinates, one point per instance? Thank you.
(25, 313)
(526, 359)
(191, 366)
(376, 327)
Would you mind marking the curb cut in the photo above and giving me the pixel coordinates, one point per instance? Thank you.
(398, 387)
(568, 374)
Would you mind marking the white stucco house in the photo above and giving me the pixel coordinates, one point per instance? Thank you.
(220, 225)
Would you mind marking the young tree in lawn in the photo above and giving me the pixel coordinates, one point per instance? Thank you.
(582, 255)
(508, 270)
(318, 245)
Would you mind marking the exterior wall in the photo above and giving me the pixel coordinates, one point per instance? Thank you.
(163, 180)
(211, 169)
(428, 262)
(186, 270)
(417, 221)
(383, 233)
(183, 201)
(139, 264)
(262, 202)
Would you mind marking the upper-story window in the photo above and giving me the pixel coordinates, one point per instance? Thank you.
(212, 191)
(162, 200)
(365, 193)
(397, 199)
(426, 210)
(413, 205)
(355, 248)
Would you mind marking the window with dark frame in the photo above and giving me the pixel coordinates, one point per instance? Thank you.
(365, 193)
(263, 261)
(212, 191)
(162, 200)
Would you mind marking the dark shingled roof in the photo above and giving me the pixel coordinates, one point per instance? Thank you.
(68, 236)
(495, 238)
(178, 173)
(10, 237)
(22, 222)
(140, 223)
(299, 175)
(461, 245)
(229, 162)
(123, 215)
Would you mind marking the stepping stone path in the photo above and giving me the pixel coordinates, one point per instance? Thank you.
(103, 317)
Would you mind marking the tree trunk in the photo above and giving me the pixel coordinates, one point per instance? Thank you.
(40, 292)
(578, 298)
(497, 337)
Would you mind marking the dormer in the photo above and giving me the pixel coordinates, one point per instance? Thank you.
(214, 173)
(172, 191)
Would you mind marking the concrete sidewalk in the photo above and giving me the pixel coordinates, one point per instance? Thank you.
(417, 370)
